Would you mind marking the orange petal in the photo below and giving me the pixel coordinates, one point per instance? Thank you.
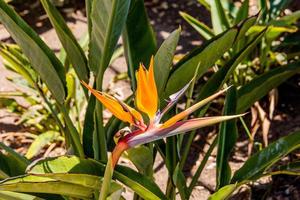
(119, 110)
(191, 109)
(146, 93)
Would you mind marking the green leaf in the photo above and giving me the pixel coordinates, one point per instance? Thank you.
(287, 19)
(85, 180)
(139, 183)
(35, 184)
(108, 173)
(74, 52)
(292, 169)
(163, 60)
(21, 66)
(180, 182)
(219, 19)
(260, 86)
(273, 31)
(12, 158)
(86, 184)
(139, 38)
(39, 143)
(226, 140)
(108, 18)
(7, 195)
(257, 164)
(73, 185)
(293, 166)
(205, 3)
(206, 55)
(42, 58)
(10, 166)
(88, 9)
(88, 128)
(223, 193)
(200, 27)
(242, 12)
(220, 77)
(245, 26)
(71, 86)
(263, 6)
(142, 159)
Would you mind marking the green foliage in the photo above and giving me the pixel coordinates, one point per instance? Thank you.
(46, 64)
(227, 138)
(232, 44)
(41, 140)
(139, 39)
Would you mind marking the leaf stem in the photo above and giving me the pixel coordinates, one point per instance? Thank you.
(105, 187)
(73, 131)
(101, 145)
(246, 129)
(201, 167)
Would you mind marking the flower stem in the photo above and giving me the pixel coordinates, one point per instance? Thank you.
(105, 187)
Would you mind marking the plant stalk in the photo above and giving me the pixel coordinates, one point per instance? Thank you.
(73, 131)
(101, 145)
(201, 167)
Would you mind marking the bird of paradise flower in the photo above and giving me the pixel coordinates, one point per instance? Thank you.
(146, 101)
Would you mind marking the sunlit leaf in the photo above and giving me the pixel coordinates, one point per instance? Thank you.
(227, 137)
(39, 143)
(200, 27)
(139, 183)
(163, 60)
(223, 193)
(260, 86)
(42, 58)
(74, 51)
(206, 55)
(256, 165)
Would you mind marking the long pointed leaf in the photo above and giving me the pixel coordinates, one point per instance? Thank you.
(40, 55)
(206, 55)
(261, 85)
(226, 140)
(108, 19)
(14, 154)
(139, 183)
(200, 27)
(74, 51)
(223, 193)
(7, 195)
(221, 76)
(35, 184)
(88, 128)
(39, 143)
(10, 166)
(264, 159)
(163, 60)
(139, 39)
(242, 12)
(218, 17)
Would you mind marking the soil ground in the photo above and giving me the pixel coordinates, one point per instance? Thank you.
(165, 18)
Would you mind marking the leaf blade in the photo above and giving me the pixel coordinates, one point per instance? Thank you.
(74, 51)
(227, 138)
(40, 55)
(254, 167)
